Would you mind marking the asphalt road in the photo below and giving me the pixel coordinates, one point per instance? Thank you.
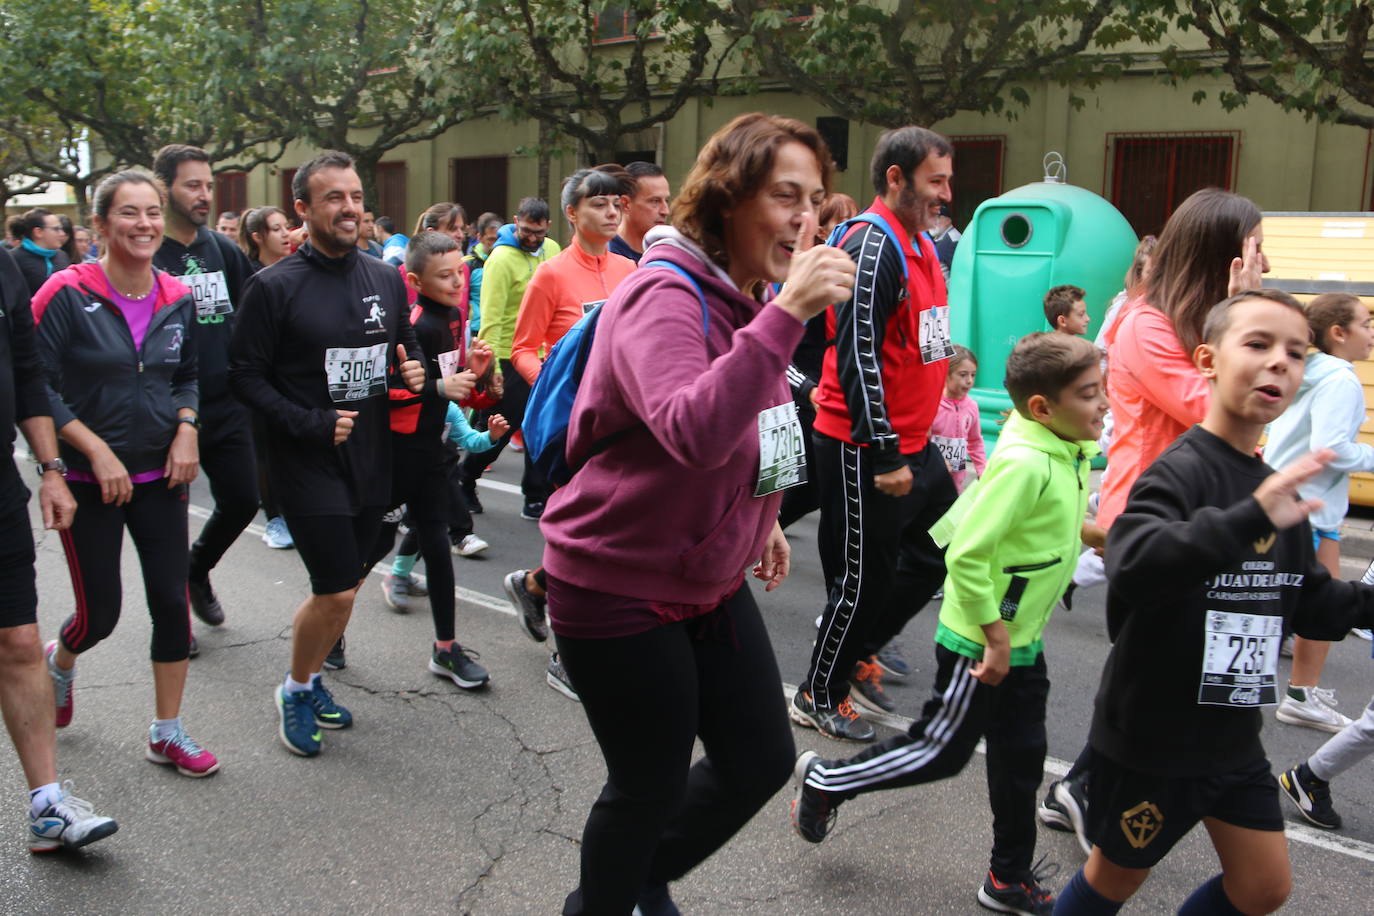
(451, 802)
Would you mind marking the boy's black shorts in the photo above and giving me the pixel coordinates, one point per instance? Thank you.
(1135, 818)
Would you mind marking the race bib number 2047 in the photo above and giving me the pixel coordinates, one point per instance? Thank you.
(355, 373)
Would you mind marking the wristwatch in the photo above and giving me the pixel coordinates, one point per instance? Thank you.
(193, 422)
(57, 464)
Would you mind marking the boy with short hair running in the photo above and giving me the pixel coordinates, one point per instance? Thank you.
(1208, 566)
(1016, 535)
(422, 466)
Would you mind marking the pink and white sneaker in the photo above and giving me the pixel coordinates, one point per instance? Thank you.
(182, 752)
(61, 685)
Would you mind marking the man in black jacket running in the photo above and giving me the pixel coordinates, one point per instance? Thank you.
(215, 270)
(320, 336)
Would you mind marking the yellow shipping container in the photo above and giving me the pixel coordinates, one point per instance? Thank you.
(1314, 253)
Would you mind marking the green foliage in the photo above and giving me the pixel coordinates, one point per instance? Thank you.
(1307, 56)
(906, 62)
(592, 70)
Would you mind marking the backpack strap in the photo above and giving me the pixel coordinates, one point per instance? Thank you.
(875, 219)
(696, 287)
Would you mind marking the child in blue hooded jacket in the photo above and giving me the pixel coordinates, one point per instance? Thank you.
(1327, 413)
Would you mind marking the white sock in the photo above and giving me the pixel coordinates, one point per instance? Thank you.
(166, 728)
(43, 796)
(294, 686)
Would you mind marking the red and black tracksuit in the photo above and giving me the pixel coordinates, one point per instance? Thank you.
(880, 387)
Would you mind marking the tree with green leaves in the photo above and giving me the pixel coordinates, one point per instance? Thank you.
(1309, 56)
(909, 62)
(357, 76)
(114, 74)
(595, 71)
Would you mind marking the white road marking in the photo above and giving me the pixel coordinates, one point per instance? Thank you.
(1298, 833)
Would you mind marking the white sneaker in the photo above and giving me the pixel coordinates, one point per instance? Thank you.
(1317, 711)
(276, 535)
(470, 546)
(1362, 633)
(71, 822)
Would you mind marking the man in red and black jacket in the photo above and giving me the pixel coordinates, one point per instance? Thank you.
(882, 483)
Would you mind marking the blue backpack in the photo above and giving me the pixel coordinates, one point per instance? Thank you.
(868, 216)
(549, 409)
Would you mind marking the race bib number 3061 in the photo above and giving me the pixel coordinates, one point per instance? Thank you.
(1240, 656)
(355, 373)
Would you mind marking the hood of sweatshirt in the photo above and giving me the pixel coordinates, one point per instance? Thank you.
(506, 236)
(90, 276)
(1318, 367)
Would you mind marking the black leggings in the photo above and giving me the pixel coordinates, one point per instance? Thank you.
(659, 815)
(421, 481)
(156, 519)
(226, 457)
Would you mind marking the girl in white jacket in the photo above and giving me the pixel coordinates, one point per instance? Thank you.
(1327, 413)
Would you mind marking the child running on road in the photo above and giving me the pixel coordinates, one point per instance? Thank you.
(400, 586)
(957, 431)
(1009, 560)
(1327, 413)
(1208, 565)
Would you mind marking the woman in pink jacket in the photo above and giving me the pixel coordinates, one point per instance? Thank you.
(676, 498)
(1210, 249)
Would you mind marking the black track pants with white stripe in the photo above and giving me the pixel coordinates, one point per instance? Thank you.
(959, 712)
(880, 565)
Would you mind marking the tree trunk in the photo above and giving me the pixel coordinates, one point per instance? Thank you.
(545, 138)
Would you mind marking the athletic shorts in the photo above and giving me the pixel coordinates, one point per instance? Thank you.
(1318, 534)
(18, 593)
(335, 548)
(1135, 818)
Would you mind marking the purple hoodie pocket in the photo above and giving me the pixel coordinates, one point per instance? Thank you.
(723, 552)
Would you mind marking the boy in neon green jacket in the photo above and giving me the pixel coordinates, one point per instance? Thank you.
(1016, 538)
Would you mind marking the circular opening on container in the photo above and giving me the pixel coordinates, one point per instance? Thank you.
(1016, 230)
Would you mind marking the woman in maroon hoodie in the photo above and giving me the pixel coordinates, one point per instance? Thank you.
(688, 433)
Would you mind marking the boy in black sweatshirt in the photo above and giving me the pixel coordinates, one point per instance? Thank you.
(1208, 566)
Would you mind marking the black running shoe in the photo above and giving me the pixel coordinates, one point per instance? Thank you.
(456, 664)
(530, 608)
(473, 503)
(1072, 796)
(1066, 599)
(867, 685)
(204, 603)
(813, 810)
(1052, 813)
(1027, 897)
(1311, 795)
(532, 511)
(334, 661)
(193, 650)
(841, 722)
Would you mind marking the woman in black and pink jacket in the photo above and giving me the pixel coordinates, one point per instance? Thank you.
(121, 372)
